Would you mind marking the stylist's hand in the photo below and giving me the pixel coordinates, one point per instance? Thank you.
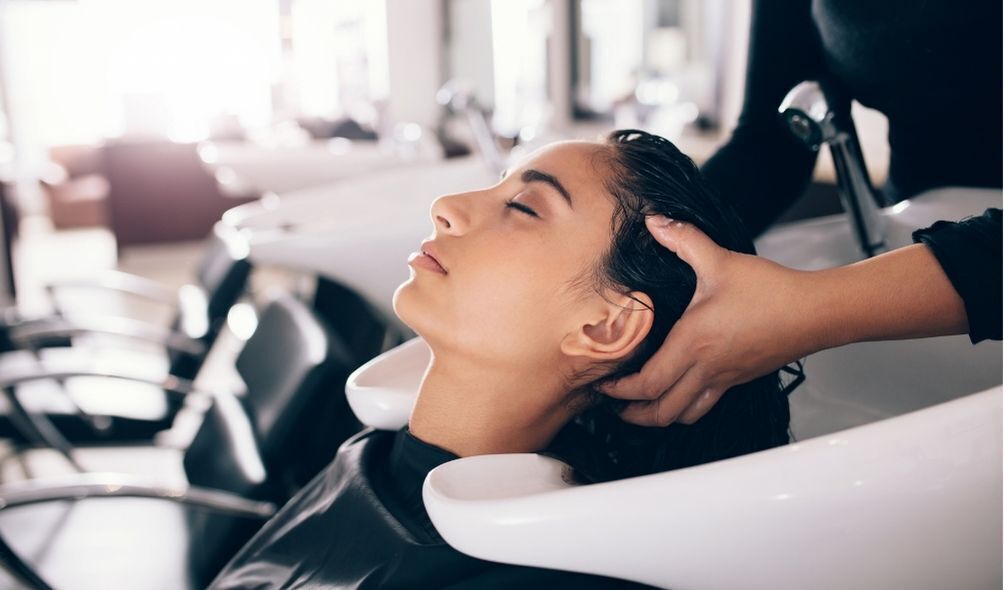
(744, 321)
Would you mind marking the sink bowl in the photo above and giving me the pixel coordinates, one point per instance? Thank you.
(243, 167)
(869, 381)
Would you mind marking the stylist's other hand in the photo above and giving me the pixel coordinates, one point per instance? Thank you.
(743, 322)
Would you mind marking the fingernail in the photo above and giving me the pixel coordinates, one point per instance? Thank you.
(659, 220)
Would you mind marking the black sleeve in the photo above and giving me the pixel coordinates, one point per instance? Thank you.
(970, 253)
(762, 169)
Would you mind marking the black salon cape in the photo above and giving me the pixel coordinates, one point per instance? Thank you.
(933, 68)
(361, 524)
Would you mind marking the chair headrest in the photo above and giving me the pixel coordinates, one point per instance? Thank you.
(224, 270)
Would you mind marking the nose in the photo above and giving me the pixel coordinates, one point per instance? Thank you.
(450, 215)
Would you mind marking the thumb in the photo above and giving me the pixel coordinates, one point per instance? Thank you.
(689, 243)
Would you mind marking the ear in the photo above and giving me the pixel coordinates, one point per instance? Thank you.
(613, 329)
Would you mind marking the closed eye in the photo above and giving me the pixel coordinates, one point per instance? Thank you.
(521, 207)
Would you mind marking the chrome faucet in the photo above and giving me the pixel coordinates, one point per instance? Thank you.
(811, 119)
(460, 100)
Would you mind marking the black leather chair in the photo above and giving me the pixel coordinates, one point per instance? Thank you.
(199, 312)
(240, 466)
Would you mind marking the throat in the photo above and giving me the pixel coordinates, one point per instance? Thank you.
(468, 410)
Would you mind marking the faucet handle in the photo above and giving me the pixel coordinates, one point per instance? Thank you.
(808, 115)
(457, 97)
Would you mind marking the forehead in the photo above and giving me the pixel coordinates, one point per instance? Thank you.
(581, 166)
(572, 157)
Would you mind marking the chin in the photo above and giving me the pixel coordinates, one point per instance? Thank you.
(414, 308)
(410, 308)
(402, 301)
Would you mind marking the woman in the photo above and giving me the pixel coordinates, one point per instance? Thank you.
(531, 294)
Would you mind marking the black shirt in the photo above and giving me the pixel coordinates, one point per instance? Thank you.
(932, 67)
(361, 524)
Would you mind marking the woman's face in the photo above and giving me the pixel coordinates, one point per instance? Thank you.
(508, 271)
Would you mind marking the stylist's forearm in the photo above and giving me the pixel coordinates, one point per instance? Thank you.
(899, 294)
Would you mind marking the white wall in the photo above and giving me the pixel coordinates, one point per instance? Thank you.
(471, 57)
(414, 56)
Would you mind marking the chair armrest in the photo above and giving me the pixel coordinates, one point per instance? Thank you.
(114, 485)
(32, 333)
(37, 426)
(170, 383)
(121, 282)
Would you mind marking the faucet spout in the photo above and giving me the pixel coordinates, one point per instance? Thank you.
(811, 119)
(458, 99)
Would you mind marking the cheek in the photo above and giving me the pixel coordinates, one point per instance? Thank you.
(507, 300)
(491, 314)
(510, 309)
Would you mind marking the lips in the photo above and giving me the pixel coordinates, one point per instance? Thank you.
(428, 259)
(436, 260)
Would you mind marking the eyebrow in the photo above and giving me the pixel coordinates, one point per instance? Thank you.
(532, 175)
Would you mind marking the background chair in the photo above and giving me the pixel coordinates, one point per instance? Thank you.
(292, 367)
(48, 345)
(76, 187)
(159, 191)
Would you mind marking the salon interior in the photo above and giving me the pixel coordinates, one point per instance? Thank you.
(207, 208)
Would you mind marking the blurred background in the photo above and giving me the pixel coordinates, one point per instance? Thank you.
(128, 125)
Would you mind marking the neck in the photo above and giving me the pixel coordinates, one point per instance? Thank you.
(469, 409)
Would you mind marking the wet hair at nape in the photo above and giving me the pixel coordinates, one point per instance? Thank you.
(648, 175)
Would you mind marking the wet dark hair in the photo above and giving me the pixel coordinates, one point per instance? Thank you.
(648, 175)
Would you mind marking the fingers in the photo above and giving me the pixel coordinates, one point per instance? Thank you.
(669, 388)
(700, 406)
(666, 409)
(661, 372)
(689, 243)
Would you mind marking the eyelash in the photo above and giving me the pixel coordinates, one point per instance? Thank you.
(521, 207)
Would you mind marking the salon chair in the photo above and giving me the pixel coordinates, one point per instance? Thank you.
(74, 182)
(240, 467)
(912, 501)
(57, 344)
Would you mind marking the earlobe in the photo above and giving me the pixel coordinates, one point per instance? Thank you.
(620, 325)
